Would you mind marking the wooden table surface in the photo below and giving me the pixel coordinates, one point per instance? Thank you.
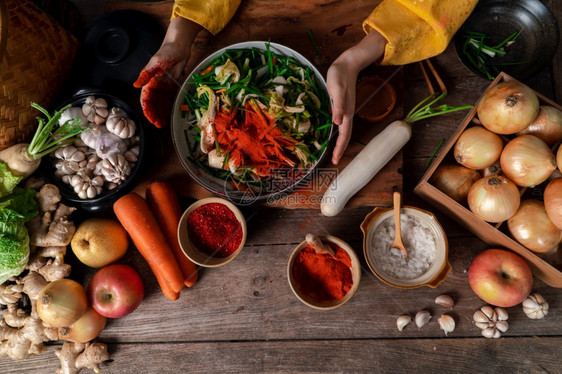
(244, 318)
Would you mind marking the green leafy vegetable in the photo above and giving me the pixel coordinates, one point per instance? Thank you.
(15, 210)
(8, 181)
(14, 244)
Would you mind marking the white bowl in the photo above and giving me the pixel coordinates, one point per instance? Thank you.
(181, 135)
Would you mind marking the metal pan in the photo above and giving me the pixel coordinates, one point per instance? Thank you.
(534, 48)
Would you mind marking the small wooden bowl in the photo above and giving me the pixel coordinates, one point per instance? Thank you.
(381, 104)
(201, 257)
(330, 304)
(436, 273)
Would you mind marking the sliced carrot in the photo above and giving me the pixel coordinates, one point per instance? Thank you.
(136, 217)
(164, 203)
(221, 90)
(207, 70)
(184, 108)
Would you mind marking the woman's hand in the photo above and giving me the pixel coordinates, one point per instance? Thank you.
(160, 78)
(341, 83)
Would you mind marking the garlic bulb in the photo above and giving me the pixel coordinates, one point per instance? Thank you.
(447, 323)
(422, 318)
(491, 321)
(445, 300)
(85, 187)
(72, 113)
(95, 109)
(115, 168)
(403, 321)
(120, 124)
(535, 306)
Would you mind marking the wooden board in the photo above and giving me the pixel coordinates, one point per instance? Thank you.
(332, 38)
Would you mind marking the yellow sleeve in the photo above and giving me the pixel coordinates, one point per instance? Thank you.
(213, 15)
(417, 29)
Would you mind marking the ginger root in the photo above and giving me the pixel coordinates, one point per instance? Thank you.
(22, 332)
(76, 356)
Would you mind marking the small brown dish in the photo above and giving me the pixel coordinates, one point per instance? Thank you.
(200, 256)
(436, 272)
(327, 304)
(377, 107)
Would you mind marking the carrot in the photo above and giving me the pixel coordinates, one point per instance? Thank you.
(165, 287)
(184, 108)
(221, 90)
(163, 202)
(207, 70)
(137, 219)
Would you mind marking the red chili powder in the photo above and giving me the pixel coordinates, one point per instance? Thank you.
(213, 228)
(321, 276)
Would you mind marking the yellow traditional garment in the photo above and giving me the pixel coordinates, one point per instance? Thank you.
(213, 15)
(417, 29)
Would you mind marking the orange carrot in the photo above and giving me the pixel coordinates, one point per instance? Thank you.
(207, 70)
(220, 90)
(184, 108)
(165, 287)
(163, 202)
(136, 217)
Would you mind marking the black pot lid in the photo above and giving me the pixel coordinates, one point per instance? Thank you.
(115, 49)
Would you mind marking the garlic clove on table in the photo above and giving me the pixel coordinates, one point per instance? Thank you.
(447, 323)
(445, 300)
(535, 306)
(403, 321)
(422, 318)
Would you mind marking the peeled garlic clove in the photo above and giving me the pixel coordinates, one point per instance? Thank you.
(488, 312)
(502, 326)
(480, 317)
(445, 300)
(422, 318)
(447, 323)
(535, 306)
(501, 314)
(482, 325)
(403, 321)
(491, 332)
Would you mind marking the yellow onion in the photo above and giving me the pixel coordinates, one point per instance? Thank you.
(532, 228)
(87, 328)
(559, 158)
(508, 107)
(477, 148)
(527, 161)
(494, 198)
(454, 180)
(494, 169)
(61, 302)
(547, 126)
(553, 201)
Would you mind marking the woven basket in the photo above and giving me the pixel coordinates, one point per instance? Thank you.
(36, 54)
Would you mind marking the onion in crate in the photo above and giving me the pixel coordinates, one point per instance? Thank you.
(508, 107)
(527, 161)
(547, 126)
(531, 227)
(478, 148)
(553, 201)
(494, 198)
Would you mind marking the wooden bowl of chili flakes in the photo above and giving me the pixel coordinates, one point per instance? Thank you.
(212, 232)
(321, 281)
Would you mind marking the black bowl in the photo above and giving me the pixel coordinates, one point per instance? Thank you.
(533, 49)
(105, 200)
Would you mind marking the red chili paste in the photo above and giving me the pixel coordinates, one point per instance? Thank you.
(321, 276)
(213, 228)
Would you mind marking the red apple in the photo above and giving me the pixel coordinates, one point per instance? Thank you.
(115, 290)
(500, 277)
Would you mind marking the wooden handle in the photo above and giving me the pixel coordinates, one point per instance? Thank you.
(396, 202)
(314, 241)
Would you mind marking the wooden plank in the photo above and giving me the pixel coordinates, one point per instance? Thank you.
(250, 299)
(522, 355)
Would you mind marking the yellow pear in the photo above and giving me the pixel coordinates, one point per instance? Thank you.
(99, 242)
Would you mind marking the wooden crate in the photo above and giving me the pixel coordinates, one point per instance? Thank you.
(495, 235)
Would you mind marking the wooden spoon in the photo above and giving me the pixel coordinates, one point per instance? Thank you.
(315, 242)
(397, 243)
